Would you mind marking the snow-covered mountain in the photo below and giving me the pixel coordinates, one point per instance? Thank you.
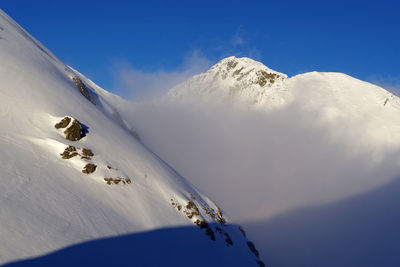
(73, 170)
(333, 97)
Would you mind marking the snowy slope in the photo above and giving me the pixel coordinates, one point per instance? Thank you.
(47, 202)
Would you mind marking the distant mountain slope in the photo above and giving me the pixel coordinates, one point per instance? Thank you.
(73, 170)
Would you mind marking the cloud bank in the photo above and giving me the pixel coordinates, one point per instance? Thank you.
(318, 190)
(258, 164)
(325, 194)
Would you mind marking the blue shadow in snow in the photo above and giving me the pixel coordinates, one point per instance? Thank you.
(182, 246)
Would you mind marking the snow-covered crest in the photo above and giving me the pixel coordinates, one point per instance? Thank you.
(246, 71)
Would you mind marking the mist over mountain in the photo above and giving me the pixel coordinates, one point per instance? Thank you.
(266, 145)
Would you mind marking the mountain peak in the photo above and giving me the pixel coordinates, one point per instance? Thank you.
(244, 77)
(247, 70)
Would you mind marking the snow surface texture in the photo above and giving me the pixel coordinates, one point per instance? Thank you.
(48, 202)
(277, 154)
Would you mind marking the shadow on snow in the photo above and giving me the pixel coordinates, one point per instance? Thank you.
(181, 246)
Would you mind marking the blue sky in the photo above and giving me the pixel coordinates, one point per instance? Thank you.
(104, 38)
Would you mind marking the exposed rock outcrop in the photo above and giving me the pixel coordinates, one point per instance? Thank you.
(69, 152)
(63, 123)
(117, 180)
(82, 88)
(89, 168)
(87, 152)
(75, 131)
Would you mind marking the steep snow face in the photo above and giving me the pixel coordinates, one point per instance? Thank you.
(237, 78)
(73, 171)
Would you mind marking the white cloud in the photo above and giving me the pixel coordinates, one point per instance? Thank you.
(256, 164)
(260, 166)
(237, 40)
(136, 84)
